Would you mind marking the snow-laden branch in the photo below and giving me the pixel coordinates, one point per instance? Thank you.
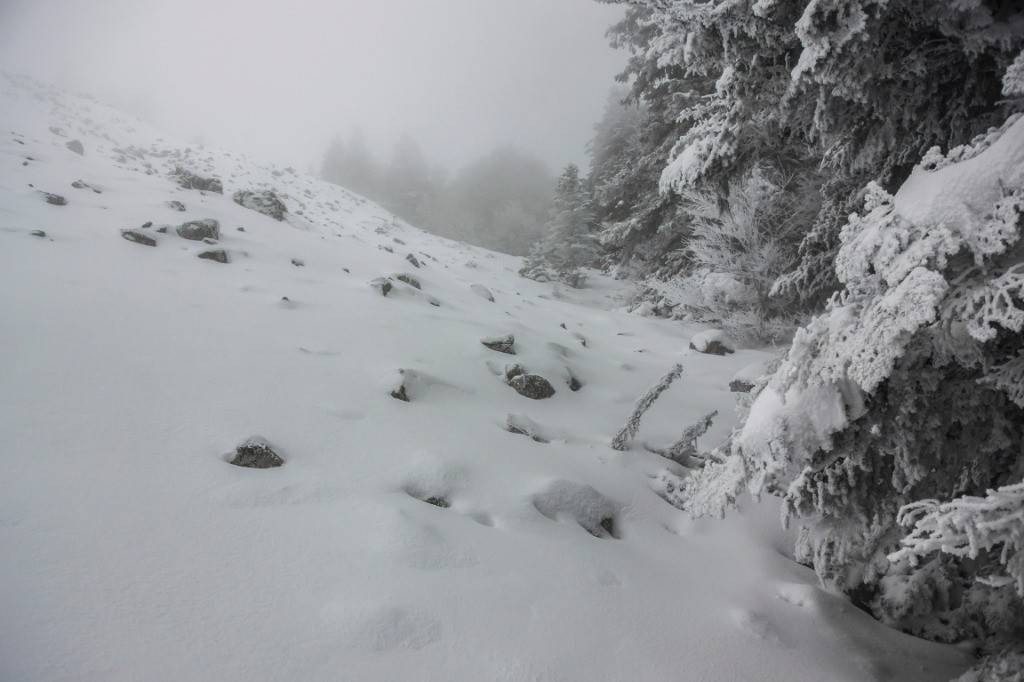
(967, 526)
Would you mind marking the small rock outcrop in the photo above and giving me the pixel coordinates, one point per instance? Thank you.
(412, 259)
(38, 233)
(198, 230)
(712, 342)
(502, 344)
(383, 285)
(524, 426)
(218, 255)
(740, 386)
(176, 205)
(532, 386)
(410, 280)
(137, 237)
(262, 201)
(54, 199)
(188, 180)
(745, 379)
(256, 453)
(512, 370)
(76, 147)
(80, 184)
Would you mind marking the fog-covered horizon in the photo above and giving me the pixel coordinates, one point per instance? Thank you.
(280, 80)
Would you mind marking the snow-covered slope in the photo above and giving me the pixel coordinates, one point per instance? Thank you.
(130, 549)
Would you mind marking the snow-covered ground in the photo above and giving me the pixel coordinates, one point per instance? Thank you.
(131, 550)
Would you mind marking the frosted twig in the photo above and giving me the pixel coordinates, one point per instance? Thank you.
(628, 432)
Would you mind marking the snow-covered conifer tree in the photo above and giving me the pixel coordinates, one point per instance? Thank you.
(908, 390)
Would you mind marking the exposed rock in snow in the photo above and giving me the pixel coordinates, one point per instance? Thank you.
(189, 180)
(712, 342)
(54, 199)
(76, 147)
(176, 205)
(218, 255)
(410, 280)
(532, 386)
(198, 230)
(743, 381)
(512, 370)
(502, 344)
(412, 259)
(256, 452)
(262, 201)
(383, 285)
(138, 237)
(79, 184)
(38, 233)
(523, 425)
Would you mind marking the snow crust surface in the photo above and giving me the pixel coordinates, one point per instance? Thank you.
(132, 550)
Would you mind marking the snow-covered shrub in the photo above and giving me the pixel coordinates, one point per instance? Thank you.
(739, 248)
(907, 389)
(1004, 667)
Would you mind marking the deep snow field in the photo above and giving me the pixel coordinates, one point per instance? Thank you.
(130, 549)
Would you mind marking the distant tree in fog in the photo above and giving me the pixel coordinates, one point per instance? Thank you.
(502, 201)
(352, 166)
(568, 243)
(411, 188)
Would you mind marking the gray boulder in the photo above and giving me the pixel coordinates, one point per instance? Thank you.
(502, 344)
(256, 453)
(712, 342)
(176, 205)
(137, 237)
(198, 230)
(410, 280)
(80, 184)
(412, 259)
(532, 386)
(383, 285)
(76, 147)
(188, 180)
(524, 426)
(262, 201)
(513, 370)
(740, 386)
(54, 199)
(218, 255)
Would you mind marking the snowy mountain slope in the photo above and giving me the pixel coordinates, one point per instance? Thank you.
(133, 550)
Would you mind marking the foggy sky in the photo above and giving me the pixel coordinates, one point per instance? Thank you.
(279, 79)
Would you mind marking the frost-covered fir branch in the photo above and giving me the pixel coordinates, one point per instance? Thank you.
(968, 526)
(628, 432)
